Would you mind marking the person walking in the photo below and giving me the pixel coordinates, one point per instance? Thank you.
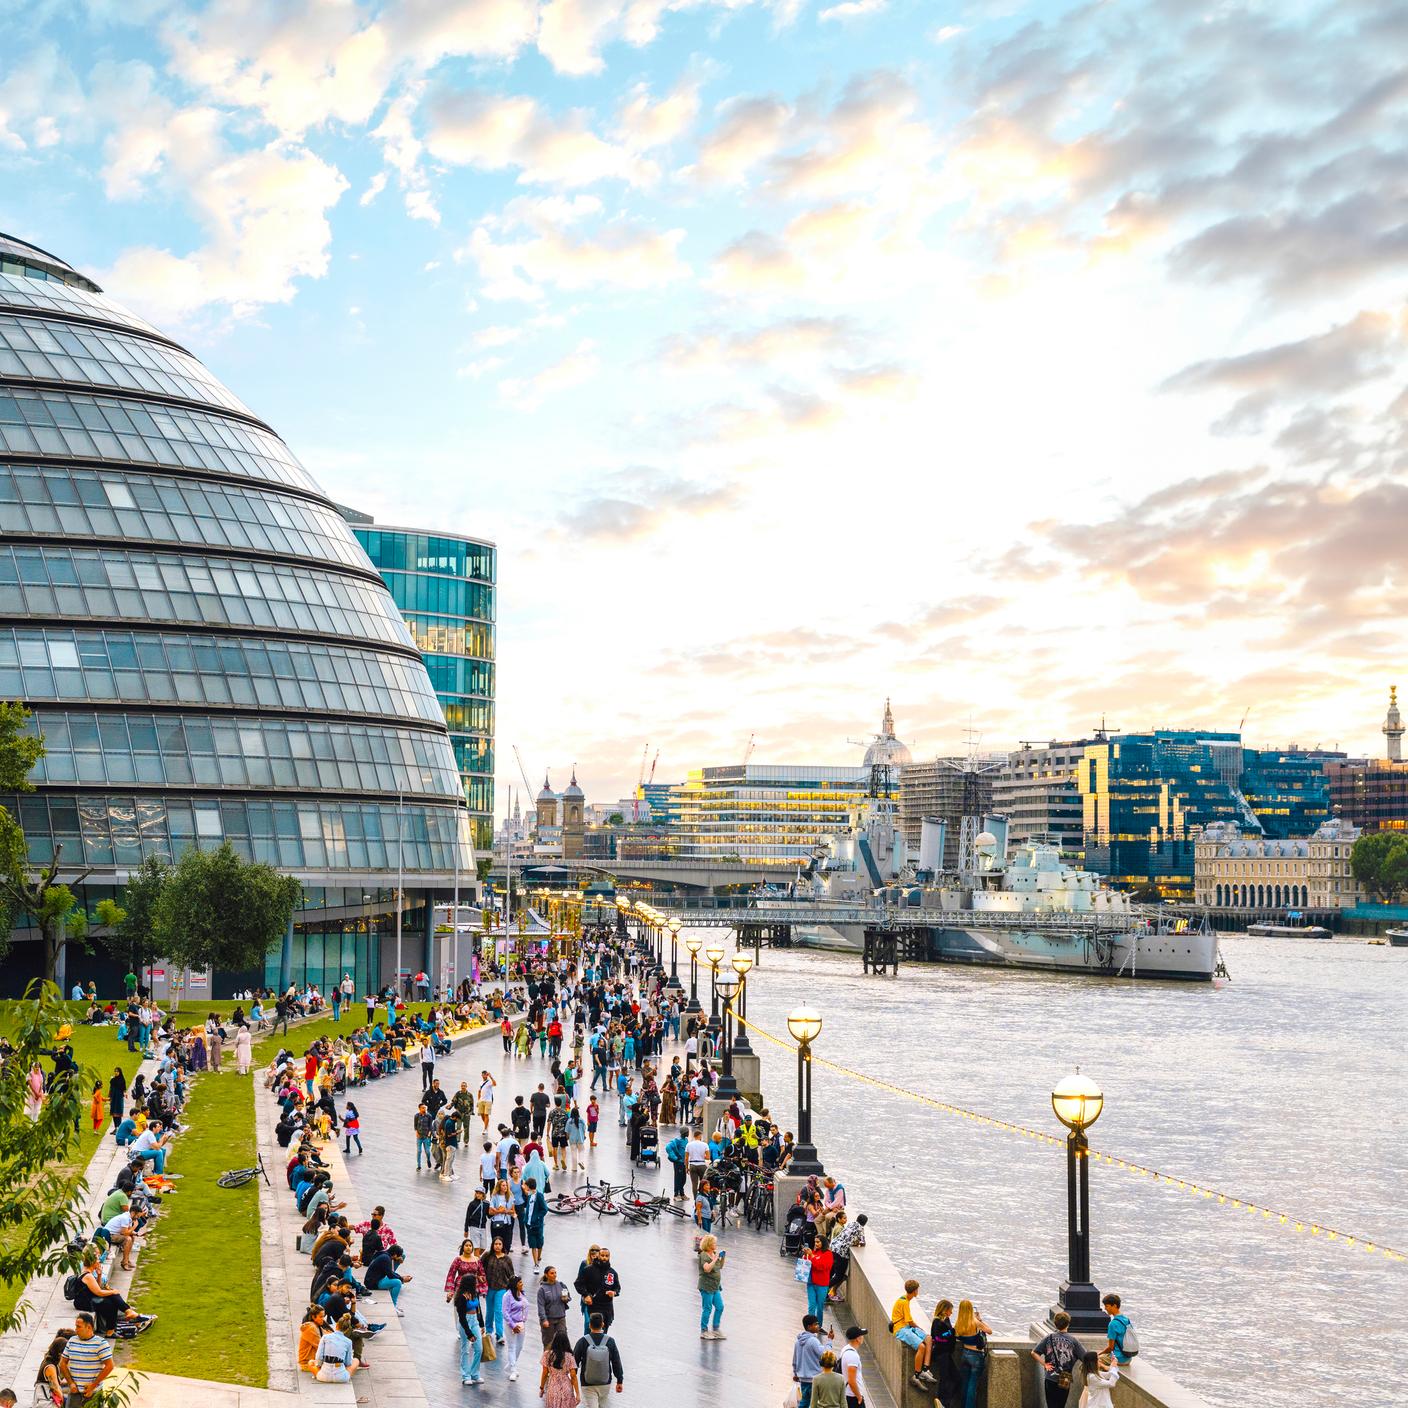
(849, 1365)
(351, 1129)
(675, 1152)
(807, 1350)
(598, 1363)
(828, 1388)
(117, 1096)
(515, 1312)
(553, 1300)
(557, 1386)
(535, 1217)
(498, 1270)
(577, 1138)
(469, 1325)
(244, 1050)
(486, 1098)
(711, 1294)
(422, 1123)
(449, 1145)
(427, 1064)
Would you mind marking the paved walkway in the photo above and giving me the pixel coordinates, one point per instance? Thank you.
(657, 1318)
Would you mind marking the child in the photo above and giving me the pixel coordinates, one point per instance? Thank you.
(97, 1106)
(593, 1115)
(351, 1128)
(704, 1207)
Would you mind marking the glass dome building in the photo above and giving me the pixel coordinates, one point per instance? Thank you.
(206, 648)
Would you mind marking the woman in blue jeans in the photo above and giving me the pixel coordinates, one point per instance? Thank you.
(711, 1294)
(971, 1336)
(469, 1322)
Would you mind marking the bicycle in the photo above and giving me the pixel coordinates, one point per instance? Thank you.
(238, 1177)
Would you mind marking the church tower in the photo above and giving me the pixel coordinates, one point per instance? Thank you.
(547, 806)
(574, 828)
(1393, 727)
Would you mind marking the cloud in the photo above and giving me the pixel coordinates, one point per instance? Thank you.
(264, 214)
(539, 243)
(645, 123)
(852, 9)
(374, 188)
(402, 150)
(749, 130)
(1341, 359)
(39, 95)
(633, 503)
(496, 133)
(527, 394)
(781, 341)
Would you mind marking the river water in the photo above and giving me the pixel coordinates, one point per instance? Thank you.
(1286, 1088)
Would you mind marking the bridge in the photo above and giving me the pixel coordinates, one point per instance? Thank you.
(703, 874)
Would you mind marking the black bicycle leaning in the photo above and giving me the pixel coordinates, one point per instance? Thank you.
(238, 1177)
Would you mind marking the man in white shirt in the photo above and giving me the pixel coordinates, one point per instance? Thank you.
(696, 1158)
(150, 1145)
(850, 1367)
(427, 1064)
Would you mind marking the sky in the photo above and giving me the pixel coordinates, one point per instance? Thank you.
(1025, 363)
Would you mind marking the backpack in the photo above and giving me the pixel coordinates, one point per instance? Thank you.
(597, 1367)
(1129, 1342)
(71, 1285)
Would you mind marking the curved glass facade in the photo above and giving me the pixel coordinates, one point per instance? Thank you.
(207, 650)
(445, 588)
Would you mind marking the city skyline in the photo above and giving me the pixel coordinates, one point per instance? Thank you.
(796, 354)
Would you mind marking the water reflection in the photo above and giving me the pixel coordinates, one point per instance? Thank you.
(1286, 1088)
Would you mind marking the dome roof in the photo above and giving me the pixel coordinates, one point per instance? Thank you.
(887, 750)
(573, 791)
(547, 794)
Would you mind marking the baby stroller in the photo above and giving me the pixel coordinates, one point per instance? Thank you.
(794, 1232)
(649, 1152)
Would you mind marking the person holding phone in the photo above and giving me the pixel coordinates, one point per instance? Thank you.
(711, 1295)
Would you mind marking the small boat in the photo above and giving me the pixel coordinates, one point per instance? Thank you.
(1288, 931)
(1397, 937)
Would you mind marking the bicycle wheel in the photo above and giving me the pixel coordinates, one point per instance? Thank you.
(605, 1207)
(236, 1177)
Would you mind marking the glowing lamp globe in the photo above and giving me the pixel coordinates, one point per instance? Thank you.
(1077, 1101)
(804, 1023)
(741, 963)
(714, 953)
(728, 988)
(694, 943)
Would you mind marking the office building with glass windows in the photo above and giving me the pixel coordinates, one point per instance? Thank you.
(205, 646)
(444, 586)
(1144, 796)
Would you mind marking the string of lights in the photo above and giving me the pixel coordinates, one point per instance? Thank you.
(1284, 1220)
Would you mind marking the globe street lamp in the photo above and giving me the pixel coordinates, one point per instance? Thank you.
(728, 987)
(715, 954)
(741, 964)
(1077, 1102)
(693, 943)
(674, 980)
(805, 1025)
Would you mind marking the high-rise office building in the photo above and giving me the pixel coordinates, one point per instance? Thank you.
(444, 584)
(207, 650)
(1036, 790)
(1144, 794)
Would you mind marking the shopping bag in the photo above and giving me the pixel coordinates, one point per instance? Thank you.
(491, 1352)
(802, 1270)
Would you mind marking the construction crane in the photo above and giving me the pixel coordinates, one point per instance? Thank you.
(640, 782)
(748, 751)
(1243, 724)
(653, 761)
(523, 773)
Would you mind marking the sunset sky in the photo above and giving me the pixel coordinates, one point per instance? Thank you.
(1022, 362)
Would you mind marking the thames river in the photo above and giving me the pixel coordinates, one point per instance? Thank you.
(1286, 1088)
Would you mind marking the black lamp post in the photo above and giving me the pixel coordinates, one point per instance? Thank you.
(1077, 1101)
(805, 1025)
(715, 955)
(674, 983)
(728, 987)
(741, 964)
(694, 943)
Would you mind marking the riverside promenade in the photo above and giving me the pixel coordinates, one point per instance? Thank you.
(657, 1315)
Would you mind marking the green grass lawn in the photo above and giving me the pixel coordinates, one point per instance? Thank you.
(207, 1237)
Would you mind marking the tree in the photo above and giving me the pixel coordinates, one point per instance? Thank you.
(216, 910)
(35, 890)
(1379, 862)
(19, 752)
(136, 928)
(39, 1191)
(615, 819)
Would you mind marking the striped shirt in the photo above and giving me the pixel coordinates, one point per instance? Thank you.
(86, 1358)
